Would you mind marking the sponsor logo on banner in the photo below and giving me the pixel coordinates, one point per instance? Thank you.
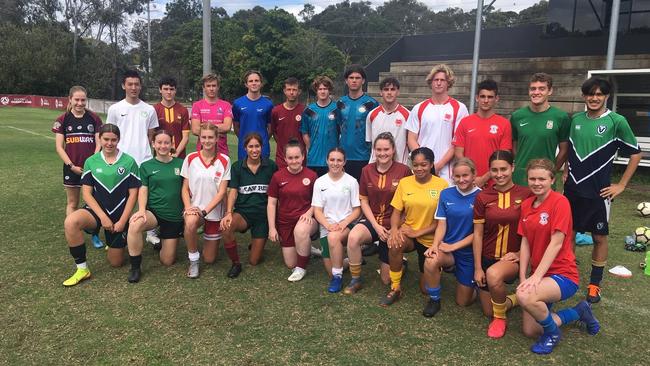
(4, 100)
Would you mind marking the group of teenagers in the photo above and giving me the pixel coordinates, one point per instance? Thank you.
(472, 194)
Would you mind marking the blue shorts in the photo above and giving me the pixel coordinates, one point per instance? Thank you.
(567, 287)
(464, 272)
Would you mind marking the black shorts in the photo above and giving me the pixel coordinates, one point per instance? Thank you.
(383, 246)
(168, 229)
(420, 249)
(589, 214)
(319, 170)
(258, 224)
(70, 179)
(487, 263)
(113, 240)
(354, 167)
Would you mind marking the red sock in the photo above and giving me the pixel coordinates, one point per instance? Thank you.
(231, 250)
(302, 261)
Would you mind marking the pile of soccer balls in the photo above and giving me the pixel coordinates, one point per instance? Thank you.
(641, 237)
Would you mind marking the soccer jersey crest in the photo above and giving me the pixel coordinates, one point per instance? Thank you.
(494, 129)
(549, 124)
(601, 129)
(543, 218)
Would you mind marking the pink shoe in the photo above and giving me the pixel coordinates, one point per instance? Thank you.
(497, 328)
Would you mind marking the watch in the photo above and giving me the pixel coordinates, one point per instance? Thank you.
(204, 213)
(70, 165)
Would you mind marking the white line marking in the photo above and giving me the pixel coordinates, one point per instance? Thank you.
(30, 132)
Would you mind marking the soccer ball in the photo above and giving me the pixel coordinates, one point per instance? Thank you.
(642, 234)
(643, 209)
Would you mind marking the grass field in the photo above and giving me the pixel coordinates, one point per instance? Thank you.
(259, 318)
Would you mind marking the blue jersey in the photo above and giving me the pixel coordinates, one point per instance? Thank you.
(253, 116)
(458, 210)
(322, 126)
(353, 125)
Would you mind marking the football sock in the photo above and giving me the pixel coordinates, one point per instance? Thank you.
(231, 250)
(513, 300)
(568, 315)
(193, 257)
(434, 292)
(337, 271)
(79, 255)
(302, 261)
(395, 279)
(499, 309)
(548, 324)
(136, 260)
(355, 270)
(596, 272)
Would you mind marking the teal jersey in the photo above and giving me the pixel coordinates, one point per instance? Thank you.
(537, 136)
(164, 183)
(111, 182)
(322, 126)
(353, 125)
(593, 145)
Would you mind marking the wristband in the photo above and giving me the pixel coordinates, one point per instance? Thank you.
(204, 213)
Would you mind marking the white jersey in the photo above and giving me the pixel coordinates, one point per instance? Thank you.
(379, 121)
(134, 121)
(435, 125)
(204, 180)
(336, 198)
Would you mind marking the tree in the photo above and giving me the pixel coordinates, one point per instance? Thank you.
(307, 12)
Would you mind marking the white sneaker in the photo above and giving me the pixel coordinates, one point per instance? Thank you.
(152, 237)
(193, 270)
(297, 274)
(316, 253)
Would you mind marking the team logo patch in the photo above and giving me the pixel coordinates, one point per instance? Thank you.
(549, 124)
(56, 125)
(91, 128)
(398, 122)
(260, 110)
(362, 109)
(306, 181)
(69, 128)
(578, 127)
(177, 171)
(517, 202)
(543, 218)
(447, 117)
(121, 170)
(331, 116)
(144, 114)
(346, 189)
(601, 129)
(600, 225)
(494, 129)
(433, 193)
(99, 170)
(219, 110)
(298, 117)
(79, 127)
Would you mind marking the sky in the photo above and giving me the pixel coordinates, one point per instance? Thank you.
(295, 6)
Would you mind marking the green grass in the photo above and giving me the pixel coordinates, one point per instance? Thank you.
(259, 318)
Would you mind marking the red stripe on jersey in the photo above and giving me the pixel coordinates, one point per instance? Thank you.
(455, 106)
(192, 156)
(403, 111)
(223, 159)
(423, 106)
(375, 112)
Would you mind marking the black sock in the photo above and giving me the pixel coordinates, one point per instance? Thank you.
(78, 253)
(596, 275)
(136, 260)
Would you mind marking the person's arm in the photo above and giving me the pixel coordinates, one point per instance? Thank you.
(356, 211)
(438, 234)
(412, 140)
(477, 250)
(464, 242)
(459, 152)
(307, 140)
(550, 253)
(617, 188)
(230, 206)
(271, 207)
(60, 150)
(119, 226)
(320, 216)
(195, 126)
(446, 158)
(396, 238)
(225, 126)
(382, 232)
(524, 259)
(87, 194)
(221, 193)
(514, 148)
(236, 124)
(560, 159)
(184, 140)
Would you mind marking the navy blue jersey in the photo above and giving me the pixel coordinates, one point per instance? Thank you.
(353, 125)
(253, 116)
(322, 126)
(457, 209)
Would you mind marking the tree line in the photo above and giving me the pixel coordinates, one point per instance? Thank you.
(49, 45)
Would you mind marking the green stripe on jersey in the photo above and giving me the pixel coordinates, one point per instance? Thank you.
(590, 135)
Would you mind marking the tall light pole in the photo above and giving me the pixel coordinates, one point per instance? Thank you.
(477, 46)
(207, 42)
(613, 31)
(149, 68)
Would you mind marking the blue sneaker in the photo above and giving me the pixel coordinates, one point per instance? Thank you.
(335, 284)
(587, 317)
(546, 343)
(97, 242)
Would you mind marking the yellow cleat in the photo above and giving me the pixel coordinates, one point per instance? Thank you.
(78, 276)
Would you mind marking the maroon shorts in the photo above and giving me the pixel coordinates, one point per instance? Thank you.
(285, 231)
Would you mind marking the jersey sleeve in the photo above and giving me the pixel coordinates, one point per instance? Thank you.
(134, 175)
(185, 119)
(369, 128)
(59, 125)
(317, 199)
(305, 121)
(628, 144)
(272, 190)
(513, 126)
(111, 115)
(235, 175)
(413, 122)
(235, 111)
(274, 119)
(354, 194)
(97, 120)
(363, 185)
(479, 210)
(565, 127)
(521, 227)
(227, 169)
(87, 178)
(196, 111)
(459, 135)
(397, 201)
(462, 113)
(227, 110)
(561, 220)
(506, 139)
(441, 212)
(185, 169)
(152, 121)
(144, 177)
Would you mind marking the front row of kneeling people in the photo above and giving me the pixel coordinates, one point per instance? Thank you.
(485, 238)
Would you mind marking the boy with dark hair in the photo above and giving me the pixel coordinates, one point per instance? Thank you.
(286, 118)
(390, 116)
(172, 116)
(595, 137)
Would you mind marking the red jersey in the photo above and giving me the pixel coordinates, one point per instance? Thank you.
(537, 224)
(481, 137)
(285, 124)
(293, 192)
(378, 189)
(78, 135)
(499, 213)
(174, 119)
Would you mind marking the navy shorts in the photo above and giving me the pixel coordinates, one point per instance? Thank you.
(383, 246)
(589, 214)
(70, 179)
(113, 240)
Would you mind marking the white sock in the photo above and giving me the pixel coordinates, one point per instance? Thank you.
(337, 271)
(83, 265)
(193, 256)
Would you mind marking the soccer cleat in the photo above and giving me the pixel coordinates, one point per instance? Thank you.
(391, 297)
(134, 275)
(354, 287)
(335, 284)
(297, 274)
(546, 343)
(153, 239)
(497, 328)
(234, 271)
(315, 252)
(97, 242)
(80, 274)
(587, 317)
(593, 293)
(193, 269)
(431, 308)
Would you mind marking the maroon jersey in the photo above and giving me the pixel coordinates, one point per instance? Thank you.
(174, 119)
(293, 192)
(78, 134)
(285, 124)
(537, 224)
(499, 213)
(378, 189)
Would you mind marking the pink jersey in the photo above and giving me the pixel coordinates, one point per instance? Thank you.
(480, 137)
(435, 125)
(204, 180)
(213, 113)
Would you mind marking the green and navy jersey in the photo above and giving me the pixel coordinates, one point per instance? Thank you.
(537, 136)
(251, 188)
(322, 126)
(111, 182)
(164, 183)
(593, 144)
(353, 125)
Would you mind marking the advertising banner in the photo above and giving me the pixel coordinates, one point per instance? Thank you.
(34, 101)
